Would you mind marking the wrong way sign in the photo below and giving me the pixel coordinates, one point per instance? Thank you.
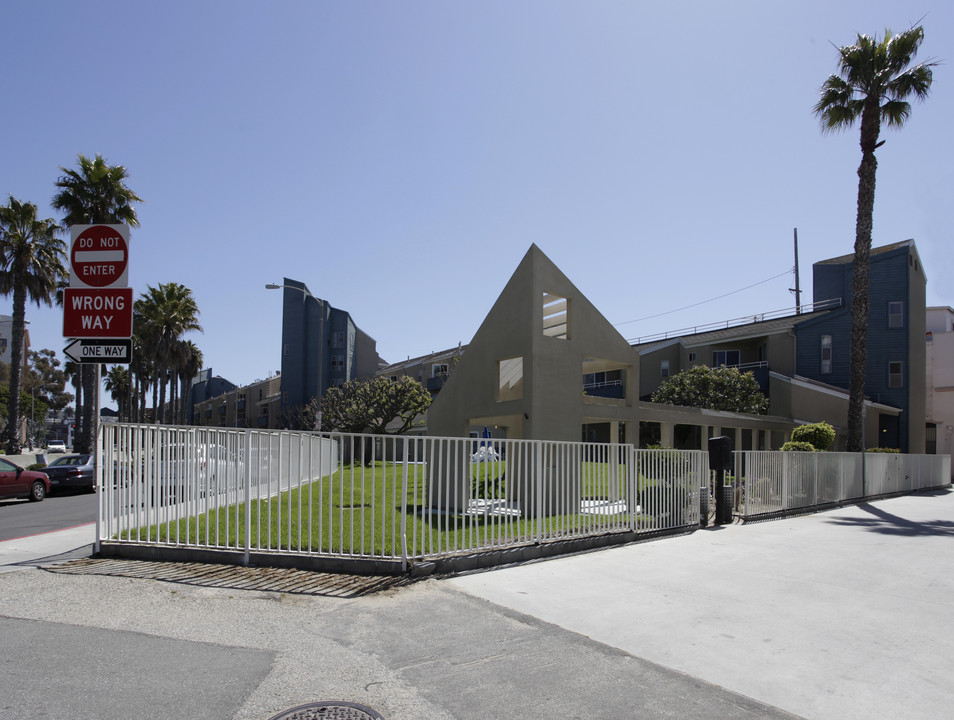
(99, 256)
(97, 313)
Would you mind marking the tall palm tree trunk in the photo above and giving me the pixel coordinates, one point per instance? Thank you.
(77, 416)
(89, 411)
(870, 130)
(16, 369)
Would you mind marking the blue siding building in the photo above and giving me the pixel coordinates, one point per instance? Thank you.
(896, 361)
(321, 348)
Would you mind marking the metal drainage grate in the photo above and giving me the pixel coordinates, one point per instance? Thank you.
(329, 711)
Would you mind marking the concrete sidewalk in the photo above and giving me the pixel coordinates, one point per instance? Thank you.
(832, 616)
(840, 615)
(44, 548)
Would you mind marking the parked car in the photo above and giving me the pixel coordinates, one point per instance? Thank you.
(72, 472)
(56, 446)
(15, 482)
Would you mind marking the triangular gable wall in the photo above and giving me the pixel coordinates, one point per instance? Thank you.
(523, 370)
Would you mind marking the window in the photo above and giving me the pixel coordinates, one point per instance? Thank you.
(337, 363)
(826, 354)
(895, 374)
(895, 314)
(664, 369)
(692, 357)
(729, 358)
(439, 370)
(930, 439)
(338, 339)
(555, 316)
(510, 379)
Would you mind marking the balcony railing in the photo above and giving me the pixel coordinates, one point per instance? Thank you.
(735, 322)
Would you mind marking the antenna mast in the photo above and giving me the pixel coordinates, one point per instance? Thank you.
(797, 290)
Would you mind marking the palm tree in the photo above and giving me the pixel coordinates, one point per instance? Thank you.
(94, 193)
(31, 265)
(117, 385)
(140, 369)
(873, 85)
(167, 311)
(188, 366)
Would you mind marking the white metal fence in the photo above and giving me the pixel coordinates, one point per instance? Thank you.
(388, 499)
(777, 482)
(376, 497)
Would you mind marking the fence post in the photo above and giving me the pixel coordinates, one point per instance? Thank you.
(248, 498)
(404, 507)
(99, 462)
(538, 491)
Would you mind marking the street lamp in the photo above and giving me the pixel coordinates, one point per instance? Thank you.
(275, 286)
(321, 323)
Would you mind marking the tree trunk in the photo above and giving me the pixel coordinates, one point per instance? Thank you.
(161, 409)
(85, 444)
(77, 416)
(870, 129)
(155, 399)
(16, 368)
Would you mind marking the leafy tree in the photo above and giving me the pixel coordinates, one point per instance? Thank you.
(873, 85)
(43, 386)
(819, 435)
(47, 379)
(74, 373)
(721, 388)
(373, 405)
(38, 405)
(31, 266)
(95, 192)
(798, 446)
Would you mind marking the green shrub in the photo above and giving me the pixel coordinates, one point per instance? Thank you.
(819, 435)
(798, 446)
(661, 457)
(883, 450)
(36, 466)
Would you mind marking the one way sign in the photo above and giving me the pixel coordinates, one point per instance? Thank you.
(100, 351)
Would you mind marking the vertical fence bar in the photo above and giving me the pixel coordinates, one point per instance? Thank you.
(247, 545)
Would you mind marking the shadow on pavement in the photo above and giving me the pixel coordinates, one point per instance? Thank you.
(889, 524)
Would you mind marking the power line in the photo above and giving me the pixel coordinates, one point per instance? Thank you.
(703, 302)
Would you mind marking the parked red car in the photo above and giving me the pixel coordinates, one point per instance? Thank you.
(15, 482)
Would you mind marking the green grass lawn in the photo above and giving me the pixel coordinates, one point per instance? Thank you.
(358, 511)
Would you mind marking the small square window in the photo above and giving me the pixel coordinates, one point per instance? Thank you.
(555, 316)
(826, 354)
(510, 379)
(895, 374)
(664, 369)
(895, 314)
(692, 357)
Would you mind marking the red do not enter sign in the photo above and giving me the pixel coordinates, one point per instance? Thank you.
(99, 256)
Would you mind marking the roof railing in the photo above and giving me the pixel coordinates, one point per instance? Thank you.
(735, 322)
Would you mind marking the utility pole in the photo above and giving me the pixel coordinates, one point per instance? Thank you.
(797, 290)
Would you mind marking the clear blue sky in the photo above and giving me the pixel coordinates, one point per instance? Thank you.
(401, 157)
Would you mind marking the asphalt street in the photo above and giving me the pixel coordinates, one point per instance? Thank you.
(834, 616)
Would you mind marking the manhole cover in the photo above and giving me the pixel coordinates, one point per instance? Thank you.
(329, 711)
